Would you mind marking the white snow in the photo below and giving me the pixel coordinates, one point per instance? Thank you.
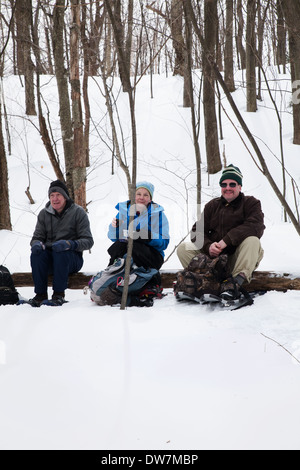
(170, 377)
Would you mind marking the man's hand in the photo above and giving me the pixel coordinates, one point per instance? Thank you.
(216, 248)
(115, 222)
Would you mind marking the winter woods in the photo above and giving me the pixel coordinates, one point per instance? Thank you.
(76, 41)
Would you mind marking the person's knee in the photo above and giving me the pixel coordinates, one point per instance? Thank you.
(181, 250)
(186, 252)
(252, 242)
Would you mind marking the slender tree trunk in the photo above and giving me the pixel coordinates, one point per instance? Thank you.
(251, 56)
(177, 36)
(63, 91)
(228, 61)
(124, 66)
(20, 36)
(86, 69)
(209, 101)
(25, 65)
(281, 37)
(5, 221)
(79, 170)
(240, 34)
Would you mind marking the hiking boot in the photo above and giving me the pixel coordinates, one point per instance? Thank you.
(230, 289)
(38, 299)
(58, 298)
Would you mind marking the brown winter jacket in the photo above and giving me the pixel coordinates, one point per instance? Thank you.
(232, 222)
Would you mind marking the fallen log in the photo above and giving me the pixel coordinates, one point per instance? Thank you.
(262, 280)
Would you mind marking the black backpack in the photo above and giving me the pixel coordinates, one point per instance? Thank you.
(8, 293)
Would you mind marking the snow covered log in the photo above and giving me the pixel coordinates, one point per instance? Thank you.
(262, 280)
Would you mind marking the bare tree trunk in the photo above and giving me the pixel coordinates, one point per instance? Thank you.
(240, 33)
(5, 221)
(20, 36)
(124, 66)
(177, 37)
(128, 42)
(228, 60)
(63, 91)
(262, 9)
(25, 65)
(251, 56)
(95, 17)
(281, 37)
(108, 54)
(50, 69)
(209, 101)
(86, 69)
(79, 170)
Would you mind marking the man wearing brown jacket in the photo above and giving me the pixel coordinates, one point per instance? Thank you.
(233, 225)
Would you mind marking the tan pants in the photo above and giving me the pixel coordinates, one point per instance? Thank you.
(245, 260)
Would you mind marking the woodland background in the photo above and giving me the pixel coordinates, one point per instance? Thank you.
(77, 41)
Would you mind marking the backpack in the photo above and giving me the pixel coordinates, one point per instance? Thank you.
(203, 275)
(8, 293)
(106, 287)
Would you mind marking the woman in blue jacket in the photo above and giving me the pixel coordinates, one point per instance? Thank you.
(150, 229)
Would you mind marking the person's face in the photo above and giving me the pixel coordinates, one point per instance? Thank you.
(57, 201)
(142, 196)
(231, 190)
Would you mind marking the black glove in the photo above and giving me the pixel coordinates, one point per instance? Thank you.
(37, 248)
(64, 245)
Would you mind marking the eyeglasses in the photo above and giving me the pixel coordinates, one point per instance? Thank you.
(231, 185)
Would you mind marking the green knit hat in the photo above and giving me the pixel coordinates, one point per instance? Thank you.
(232, 172)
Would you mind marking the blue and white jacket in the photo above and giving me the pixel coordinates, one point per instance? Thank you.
(151, 226)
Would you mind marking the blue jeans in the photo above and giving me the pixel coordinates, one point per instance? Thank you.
(59, 264)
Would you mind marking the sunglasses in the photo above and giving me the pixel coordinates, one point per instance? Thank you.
(231, 185)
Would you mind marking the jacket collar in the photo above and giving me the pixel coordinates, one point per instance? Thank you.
(236, 202)
(52, 211)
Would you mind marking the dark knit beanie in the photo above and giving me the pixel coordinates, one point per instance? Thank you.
(232, 172)
(59, 187)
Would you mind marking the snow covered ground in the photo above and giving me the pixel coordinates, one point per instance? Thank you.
(170, 377)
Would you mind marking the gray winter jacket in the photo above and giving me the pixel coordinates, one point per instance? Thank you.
(71, 224)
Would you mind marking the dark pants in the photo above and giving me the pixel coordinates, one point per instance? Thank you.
(142, 254)
(59, 264)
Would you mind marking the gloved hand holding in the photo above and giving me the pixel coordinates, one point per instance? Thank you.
(64, 245)
(37, 248)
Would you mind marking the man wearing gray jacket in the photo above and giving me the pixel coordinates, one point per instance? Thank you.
(61, 234)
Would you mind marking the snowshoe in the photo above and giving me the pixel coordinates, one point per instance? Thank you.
(56, 301)
(246, 298)
(36, 301)
(181, 296)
